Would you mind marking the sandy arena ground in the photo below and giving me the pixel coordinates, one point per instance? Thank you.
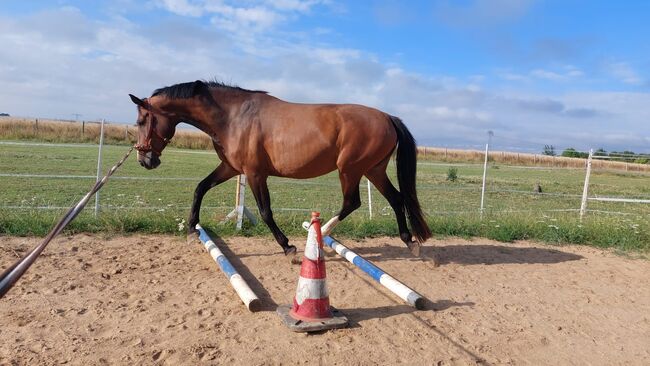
(158, 300)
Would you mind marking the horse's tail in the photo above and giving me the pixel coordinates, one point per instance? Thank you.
(406, 170)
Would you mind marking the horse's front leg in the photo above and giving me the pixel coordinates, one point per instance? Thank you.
(221, 174)
(261, 193)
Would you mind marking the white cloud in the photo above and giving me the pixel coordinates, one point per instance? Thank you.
(238, 16)
(546, 74)
(624, 72)
(562, 74)
(254, 18)
(91, 67)
(182, 7)
(294, 5)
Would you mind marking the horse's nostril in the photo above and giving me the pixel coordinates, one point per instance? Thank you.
(141, 163)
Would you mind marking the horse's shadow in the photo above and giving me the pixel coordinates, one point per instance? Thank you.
(267, 303)
(469, 254)
(360, 314)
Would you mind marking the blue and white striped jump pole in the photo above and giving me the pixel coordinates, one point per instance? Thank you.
(245, 293)
(404, 292)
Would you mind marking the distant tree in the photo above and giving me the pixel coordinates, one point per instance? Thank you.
(570, 152)
(573, 153)
(4, 114)
(549, 150)
(600, 152)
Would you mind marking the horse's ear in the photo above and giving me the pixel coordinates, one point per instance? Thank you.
(137, 100)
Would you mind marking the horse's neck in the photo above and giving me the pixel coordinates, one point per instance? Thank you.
(210, 116)
(193, 112)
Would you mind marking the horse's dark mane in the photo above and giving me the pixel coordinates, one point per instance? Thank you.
(199, 87)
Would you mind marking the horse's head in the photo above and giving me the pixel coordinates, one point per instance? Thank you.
(156, 127)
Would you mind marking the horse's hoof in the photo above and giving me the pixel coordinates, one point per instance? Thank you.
(193, 237)
(290, 250)
(292, 253)
(414, 247)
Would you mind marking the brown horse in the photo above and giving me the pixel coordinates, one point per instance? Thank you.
(260, 136)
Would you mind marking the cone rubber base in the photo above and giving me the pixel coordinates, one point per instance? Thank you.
(337, 321)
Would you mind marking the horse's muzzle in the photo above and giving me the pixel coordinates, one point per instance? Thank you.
(149, 160)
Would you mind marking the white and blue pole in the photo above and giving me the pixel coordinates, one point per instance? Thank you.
(388, 281)
(402, 291)
(244, 291)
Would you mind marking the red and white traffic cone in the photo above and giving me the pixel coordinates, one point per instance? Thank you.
(311, 310)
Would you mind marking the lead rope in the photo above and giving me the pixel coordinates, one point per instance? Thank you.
(12, 274)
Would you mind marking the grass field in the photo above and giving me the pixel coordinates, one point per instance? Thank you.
(158, 200)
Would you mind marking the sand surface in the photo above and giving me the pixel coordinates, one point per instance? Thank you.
(159, 300)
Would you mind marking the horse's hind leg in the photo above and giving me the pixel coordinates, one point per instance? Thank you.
(221, 174)
(263, 199)
(378, 177)
(351, 200)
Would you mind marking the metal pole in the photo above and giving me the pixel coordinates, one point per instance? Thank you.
(370, 197)
(99, 164)
(585, 189)
(487, 148)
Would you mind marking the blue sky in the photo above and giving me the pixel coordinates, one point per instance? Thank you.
(566, 73)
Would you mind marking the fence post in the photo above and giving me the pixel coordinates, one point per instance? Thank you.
(585, 190)
(370, 198)
(241, 191)
(83, 127)
(126, 133)
(487, 148)
(240, 208)
(99, 164)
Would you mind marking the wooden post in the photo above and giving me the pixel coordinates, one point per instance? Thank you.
(370, 199)
(99, 165)
(238, 190)
(487, 146)
(83, 128)
(240, 208)
(241, 191)
(585, 189)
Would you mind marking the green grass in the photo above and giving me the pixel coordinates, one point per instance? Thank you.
(151, 205)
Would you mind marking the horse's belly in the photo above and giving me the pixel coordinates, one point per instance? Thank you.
(301, 167)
